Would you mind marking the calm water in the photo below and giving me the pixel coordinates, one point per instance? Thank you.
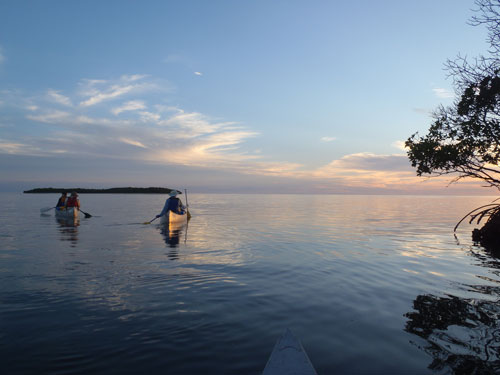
(370, 284)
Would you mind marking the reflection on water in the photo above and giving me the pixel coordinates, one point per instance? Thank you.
(173, 234)
(370, 284)
(68, 227)
(462, 334)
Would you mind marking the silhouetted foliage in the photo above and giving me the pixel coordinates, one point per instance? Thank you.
(464, 137)
(488, 236)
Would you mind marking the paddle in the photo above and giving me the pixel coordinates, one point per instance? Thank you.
(45, 209)
(187, 204)
(87, 215)
(149, 222)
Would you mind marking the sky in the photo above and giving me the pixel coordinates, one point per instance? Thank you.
(226, 96)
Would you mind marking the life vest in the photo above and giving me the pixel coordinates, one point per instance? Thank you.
(72, 202)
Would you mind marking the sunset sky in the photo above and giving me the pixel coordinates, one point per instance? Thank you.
(225, 96)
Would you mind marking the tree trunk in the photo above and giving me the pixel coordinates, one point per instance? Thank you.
(489, 235)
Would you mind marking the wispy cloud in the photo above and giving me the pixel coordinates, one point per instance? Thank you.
(132, 105)
(150, 116)
(58, 98)
(13, 148)
(198, 73)
(150, 131)
(366, 161)
(159, 133)
(132, 77)
(113, 92)
(49, 116)
(443, 93)
(98, 91)
(132, 142)
(193, 124)
(371, 171)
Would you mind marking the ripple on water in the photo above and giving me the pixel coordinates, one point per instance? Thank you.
(365, 282)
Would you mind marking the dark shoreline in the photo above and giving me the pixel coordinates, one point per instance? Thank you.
(118, 190)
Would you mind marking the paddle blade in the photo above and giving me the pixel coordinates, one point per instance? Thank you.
(45, 209)
(149, 222)
(87, 215)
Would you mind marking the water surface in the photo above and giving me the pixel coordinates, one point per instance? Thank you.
(370, 284)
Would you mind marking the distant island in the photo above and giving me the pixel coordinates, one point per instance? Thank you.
(118, 190)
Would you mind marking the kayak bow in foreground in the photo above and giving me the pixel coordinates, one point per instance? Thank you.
(289, 358)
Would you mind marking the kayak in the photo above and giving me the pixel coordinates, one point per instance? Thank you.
(67, 222)
(68, 212)
(289, 358)
(173, 218)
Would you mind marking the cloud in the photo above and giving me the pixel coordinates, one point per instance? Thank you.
(149, 116)
(366, 161)
(49, 116)
(370, 171)
(193, 124)
(58, 98)
(443, 93)
(132, 142)
(111, 93)
(151, 132)
(13, 148)
(132, 77)
(399, 145)
(132, 105)
(198, 73)
(163, 134)
(98, 91)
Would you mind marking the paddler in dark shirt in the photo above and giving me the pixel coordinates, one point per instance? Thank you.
(61, 203)
(173, 204)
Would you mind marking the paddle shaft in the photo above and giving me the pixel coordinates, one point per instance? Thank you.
(45, 209)
(87, 215)
(149, 222)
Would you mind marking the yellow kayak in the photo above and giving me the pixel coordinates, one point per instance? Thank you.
(173, 218)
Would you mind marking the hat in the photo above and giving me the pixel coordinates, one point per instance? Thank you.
(74, 193)
(173, 193)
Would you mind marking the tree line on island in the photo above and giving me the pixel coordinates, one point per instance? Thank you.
(464, 137)
(118, 190)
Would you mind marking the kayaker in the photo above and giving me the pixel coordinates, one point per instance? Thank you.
(73, 201)
(173, 204)
(61, 203)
